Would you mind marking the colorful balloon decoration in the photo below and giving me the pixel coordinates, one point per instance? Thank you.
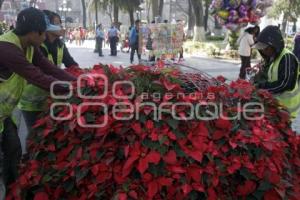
(234, 14)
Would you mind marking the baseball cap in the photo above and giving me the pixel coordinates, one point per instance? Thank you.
(51, 27)
(260, 46)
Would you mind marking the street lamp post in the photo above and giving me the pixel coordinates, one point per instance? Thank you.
(64, 9)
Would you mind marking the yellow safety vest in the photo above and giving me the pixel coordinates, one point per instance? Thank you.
(12, 88)
(290, 99)
(33, 97)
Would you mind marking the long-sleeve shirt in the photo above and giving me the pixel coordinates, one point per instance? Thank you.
(100, 33)
(287, 76)
(40, 73)
(68, 60)
(296, 49)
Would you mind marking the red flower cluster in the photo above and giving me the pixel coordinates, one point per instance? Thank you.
(225, 157)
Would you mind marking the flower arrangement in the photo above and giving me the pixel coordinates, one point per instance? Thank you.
(174, 156)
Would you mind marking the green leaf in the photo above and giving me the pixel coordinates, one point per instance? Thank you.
(90, 118)
(125, 186)
(80, 174)
(173, 123)
(264, 186)
(69, 185)
(258, 194)
(100, 154)
(51, 156)
(157, 170)
(178, 134)
(143, 118)
(178, 151)
(46, 179)
(163, 139)
(220, 165)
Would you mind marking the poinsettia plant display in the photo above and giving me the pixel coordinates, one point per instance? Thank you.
(174, 136)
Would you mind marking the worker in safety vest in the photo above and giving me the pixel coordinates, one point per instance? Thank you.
(34, 99)
(280, 71)
(22, 62)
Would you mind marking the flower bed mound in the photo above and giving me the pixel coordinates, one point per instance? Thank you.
(174, 156)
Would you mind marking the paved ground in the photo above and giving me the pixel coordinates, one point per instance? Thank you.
(86, 58)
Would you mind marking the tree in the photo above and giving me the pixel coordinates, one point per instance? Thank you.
(83, 13)
(155, 9)
(130, 6)
(289, 8)
(199, 32)
(206, 15)
(161, 7)
(96, 11)
(1, 2)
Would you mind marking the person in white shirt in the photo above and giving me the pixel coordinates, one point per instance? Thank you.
(245, 42)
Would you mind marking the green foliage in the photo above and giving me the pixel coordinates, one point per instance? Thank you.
(215, 38)
(291, 8)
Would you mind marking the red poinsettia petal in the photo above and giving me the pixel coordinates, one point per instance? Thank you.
(163, 181)
(247, 188)
(186, 189)
(274, 178)
(153, 157)
(143, 165)
(122, 196)
(133, 194)
(198, 187)
(152, 189)
(41, 196)
(271, 195)
(212, 195)
(170, 157)
(129, 165)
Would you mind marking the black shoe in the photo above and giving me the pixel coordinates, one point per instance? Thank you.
(101, 55)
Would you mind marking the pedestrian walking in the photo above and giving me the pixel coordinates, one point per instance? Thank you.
(20, 62)
(134, 41)
(113, 40)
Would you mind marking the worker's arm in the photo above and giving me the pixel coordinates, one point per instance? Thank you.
(50, 69)
(13, 60)
(68, 60)
(287, 76)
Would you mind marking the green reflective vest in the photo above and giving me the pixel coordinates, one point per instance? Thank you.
(289, 99)
(12, 88)
(33, 97)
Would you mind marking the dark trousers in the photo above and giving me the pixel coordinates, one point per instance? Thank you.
(10, 152)
(99, 45)
(113, 45)
(30, 118)
(245, 64)
(133, 49)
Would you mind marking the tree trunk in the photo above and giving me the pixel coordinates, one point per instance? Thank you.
(96, 11)
(199, 32)
(131, 16)
(83, 13)
(284, 24)
(155, 9)
(191, 20)
(1, 2)
(148, 3)
(116, 13)
(206, 15)
(161, 7)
